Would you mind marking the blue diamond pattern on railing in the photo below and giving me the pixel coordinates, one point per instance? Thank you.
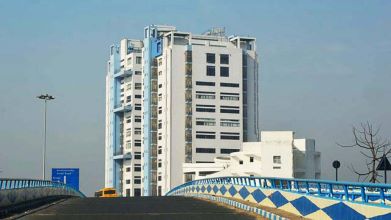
(203, 189)
(381, 217)
(278, 199)
(209, 189)
(215, 189)
(198, 188)
(243, 192)
(192, 189)
(258, 195)
(223, 190)
(340, 211)
(304, 206)
(232, 191)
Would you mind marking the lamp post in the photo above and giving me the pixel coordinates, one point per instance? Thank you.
(45, 98)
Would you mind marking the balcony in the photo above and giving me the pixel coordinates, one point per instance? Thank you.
(122, 73)
(125, 156)
(122, 108)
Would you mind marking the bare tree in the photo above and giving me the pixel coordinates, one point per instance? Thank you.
(372, 147)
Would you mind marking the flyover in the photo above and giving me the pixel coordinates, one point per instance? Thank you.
(214, 198)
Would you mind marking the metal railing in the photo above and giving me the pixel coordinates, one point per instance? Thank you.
(348, 191)
(12, 184)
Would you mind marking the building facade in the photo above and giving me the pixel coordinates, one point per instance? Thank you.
(279, 154)
(123, 167)
(200, 100)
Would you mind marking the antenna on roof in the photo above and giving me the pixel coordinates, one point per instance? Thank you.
(215, 31)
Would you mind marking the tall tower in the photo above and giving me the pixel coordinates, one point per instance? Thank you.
(123, 118)
(194, 97)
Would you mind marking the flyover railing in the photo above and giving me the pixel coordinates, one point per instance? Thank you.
(18, 195)
(379, 194)
(12, 184)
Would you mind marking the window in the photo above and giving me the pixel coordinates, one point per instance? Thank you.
(137, 72)
(229, 109)
(138, 60)
(137, 130)
(160, 85)
(229, 84)
(229, 123)
(137, 143)
(210, 58)
(205, 135)
(127, 192)
(228, 151)
(128, 145)
(137, 107)
(160, 110)
(206, 150)
(137, 96)
(160, 124)
(229, 96)
(159, 178)
(224, 71)
(127, 169)
(137, 167)
(137, 180)
(224, 59)
(205, 95)
(277, 159)
(128, 119)
(160, 97)
(137, 86)
(205, 108)
(201, 83)
(229, 136)
(210, 71)
(128, 132)
(137, 192)
(159, 151)
(159, 164)
(137, 155)
(127, 181)
(276, 168)
(137, 118)
(205, 121)
(240, 161)
(251, 159)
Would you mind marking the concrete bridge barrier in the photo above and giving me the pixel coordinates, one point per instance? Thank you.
(312, 199)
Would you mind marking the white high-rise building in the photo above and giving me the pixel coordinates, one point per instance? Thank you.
(200, 100)
(123, 118)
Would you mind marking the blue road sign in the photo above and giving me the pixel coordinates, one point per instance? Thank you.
(69, 176)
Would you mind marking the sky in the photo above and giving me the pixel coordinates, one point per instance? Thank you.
(324, 66)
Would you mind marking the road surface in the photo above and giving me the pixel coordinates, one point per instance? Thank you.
(140, 208)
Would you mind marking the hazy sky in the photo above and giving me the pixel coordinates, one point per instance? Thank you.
(324, 65)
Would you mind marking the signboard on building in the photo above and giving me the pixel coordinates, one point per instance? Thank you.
(69, 176)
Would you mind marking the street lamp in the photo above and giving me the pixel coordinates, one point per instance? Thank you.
(46, 98)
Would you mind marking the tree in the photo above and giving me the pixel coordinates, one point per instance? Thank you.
(372, 147)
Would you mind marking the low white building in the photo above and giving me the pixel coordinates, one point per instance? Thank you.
(278, 154)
